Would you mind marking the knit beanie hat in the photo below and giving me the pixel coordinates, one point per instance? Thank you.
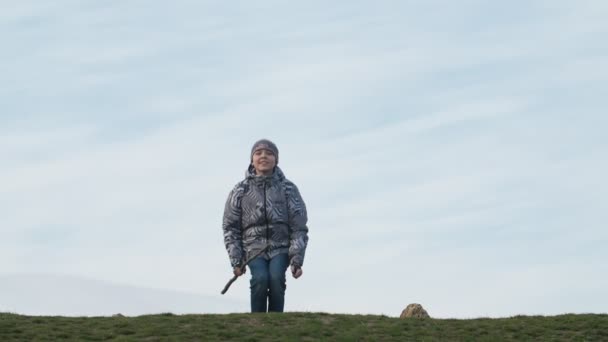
(265, 144)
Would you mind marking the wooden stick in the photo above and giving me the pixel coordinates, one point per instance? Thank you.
(248, 261)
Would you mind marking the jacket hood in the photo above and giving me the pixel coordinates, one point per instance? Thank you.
(276, 175)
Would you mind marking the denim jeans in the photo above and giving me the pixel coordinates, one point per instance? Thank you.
(268, 283)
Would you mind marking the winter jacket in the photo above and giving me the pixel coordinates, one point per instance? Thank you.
(265, 211)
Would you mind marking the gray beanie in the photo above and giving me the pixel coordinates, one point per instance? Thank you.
(265, 144)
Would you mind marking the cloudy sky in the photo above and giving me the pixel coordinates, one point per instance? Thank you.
(450, 153)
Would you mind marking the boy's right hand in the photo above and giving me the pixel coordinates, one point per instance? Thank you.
(239, 271)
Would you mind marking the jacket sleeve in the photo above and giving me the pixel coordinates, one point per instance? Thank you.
(232, 227)
(298, 231)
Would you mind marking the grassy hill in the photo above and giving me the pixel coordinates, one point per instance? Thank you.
(302, 327)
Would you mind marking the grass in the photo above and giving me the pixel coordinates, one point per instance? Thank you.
(301, 327)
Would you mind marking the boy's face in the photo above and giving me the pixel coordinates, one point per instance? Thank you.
(264, 161)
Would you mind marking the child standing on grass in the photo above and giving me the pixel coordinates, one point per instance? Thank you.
(265, 212)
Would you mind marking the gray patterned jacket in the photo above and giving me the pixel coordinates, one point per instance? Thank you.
(261, 211)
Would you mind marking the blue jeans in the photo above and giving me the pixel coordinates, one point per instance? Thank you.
(268, 283)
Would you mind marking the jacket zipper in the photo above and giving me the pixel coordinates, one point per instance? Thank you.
(266, 217)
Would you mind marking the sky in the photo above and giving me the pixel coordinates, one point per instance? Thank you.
(450, 153)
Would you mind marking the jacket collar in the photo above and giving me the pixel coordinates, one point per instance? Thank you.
(277, 175)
